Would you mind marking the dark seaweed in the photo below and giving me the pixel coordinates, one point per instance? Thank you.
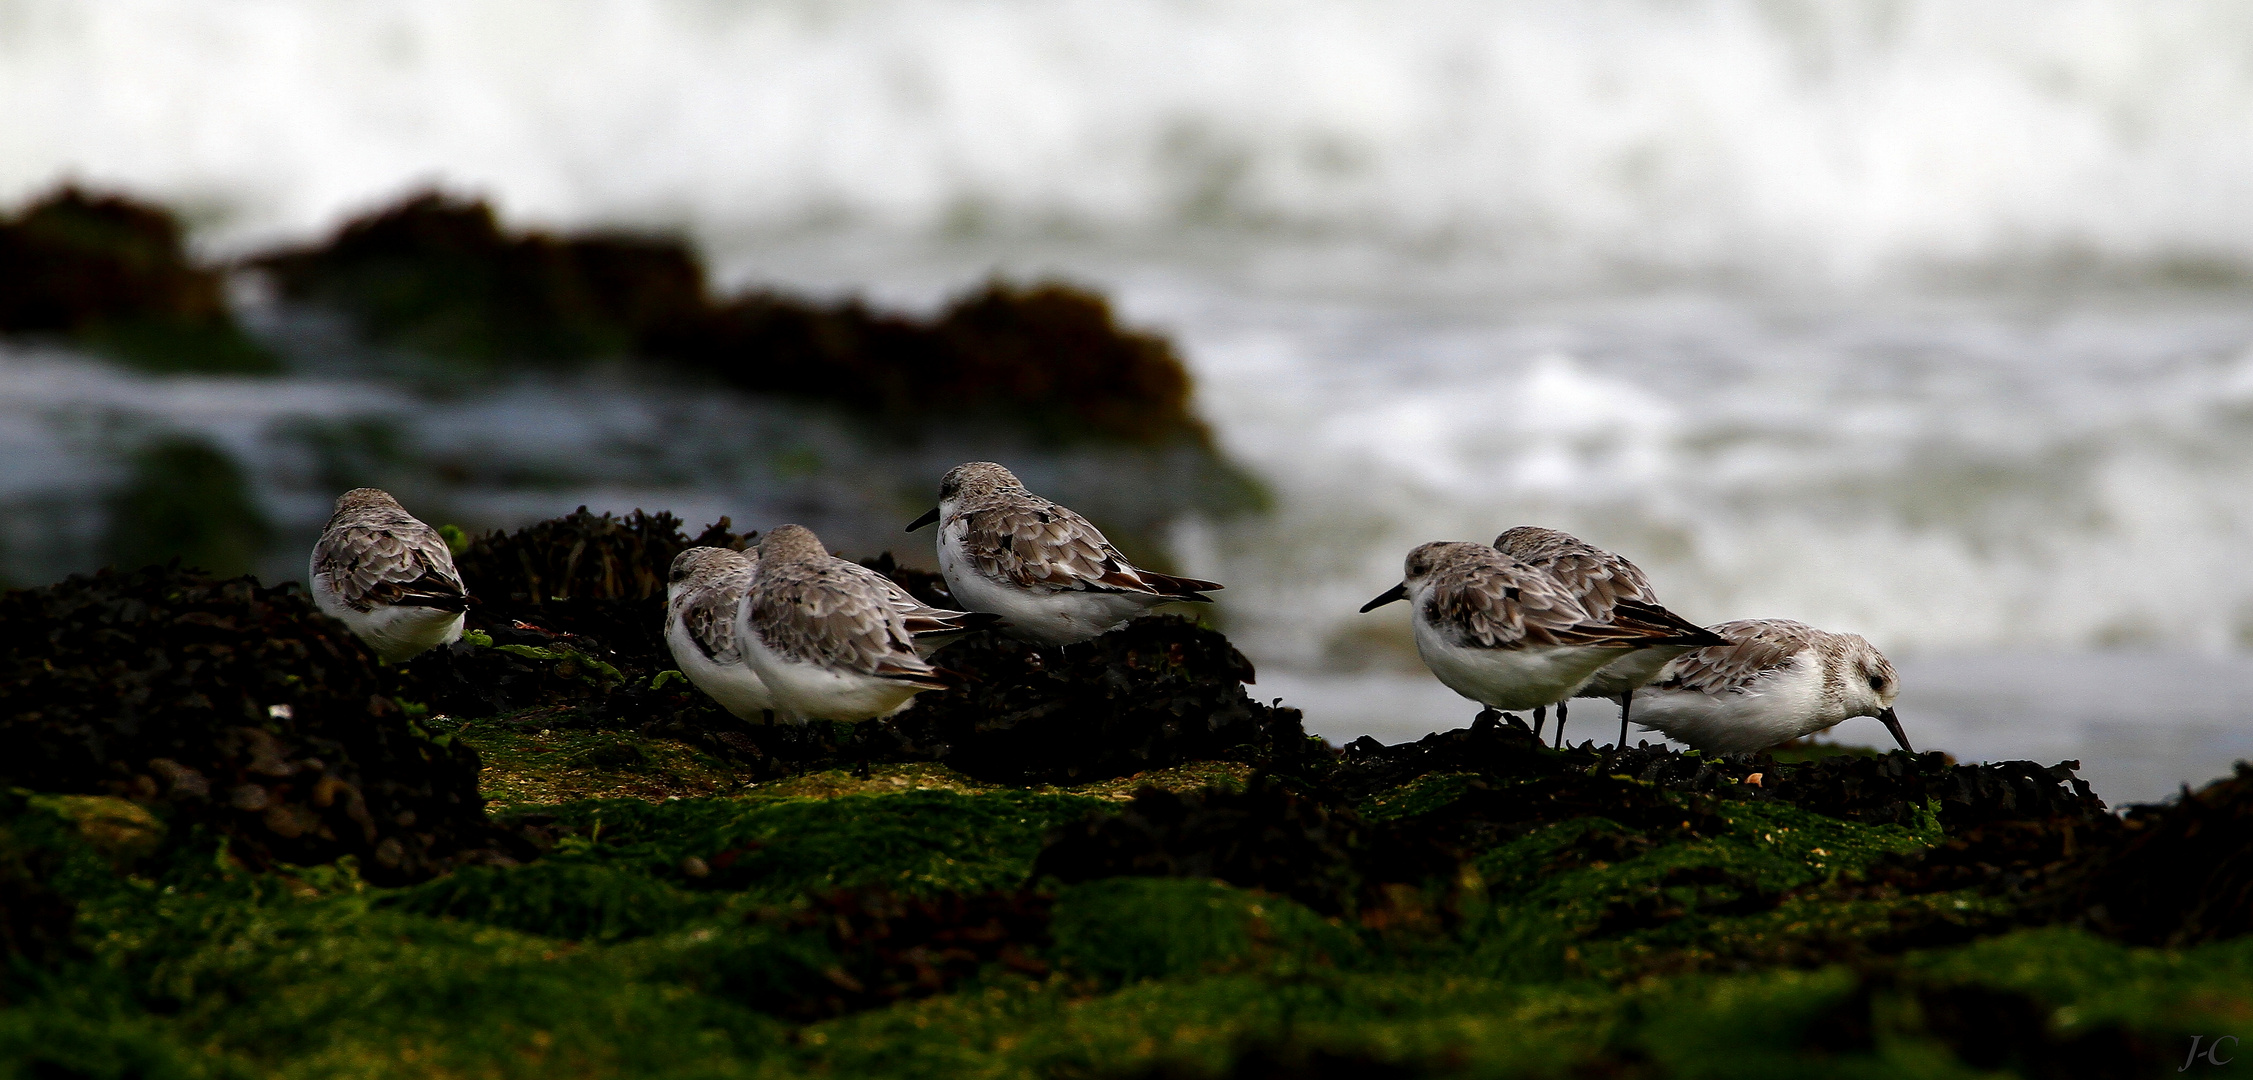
(236, 706)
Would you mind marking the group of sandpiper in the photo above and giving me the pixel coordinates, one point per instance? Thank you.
(788, 631)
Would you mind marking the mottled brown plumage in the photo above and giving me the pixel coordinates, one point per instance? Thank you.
(374, 552)
(1598, 578)
(1015, 536)
(706, 585)
(810, 607)
(1483, 598)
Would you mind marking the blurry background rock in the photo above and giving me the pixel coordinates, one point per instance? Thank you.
(113, 275)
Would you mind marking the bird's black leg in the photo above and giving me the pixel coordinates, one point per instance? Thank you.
(1561, 724)
(1540, 717)
(1487, 717)
(1625, 700)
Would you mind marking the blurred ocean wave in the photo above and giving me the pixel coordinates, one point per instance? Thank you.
(1851, 140)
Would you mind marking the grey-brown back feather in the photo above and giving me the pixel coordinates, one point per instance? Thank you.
(837, 614)
(708, 612)
(1755, 649)
(373, 555)
(1484, 599)
(1601, 579)
(1023, 539)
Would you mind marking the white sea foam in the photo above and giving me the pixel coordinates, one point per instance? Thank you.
(1843, 138)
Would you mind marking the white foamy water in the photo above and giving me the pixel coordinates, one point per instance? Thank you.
(1847, 138)
(1925, 320)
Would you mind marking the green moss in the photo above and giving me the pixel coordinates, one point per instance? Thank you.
(2093, 981)
(1123, 929)
(558, 899)
(779, 850)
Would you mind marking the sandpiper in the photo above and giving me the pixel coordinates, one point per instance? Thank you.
(1775, 680)
(1508, 636)
(1601, 581)
(388, 576)
(704, 590)
(825, 636)
(1047, 572)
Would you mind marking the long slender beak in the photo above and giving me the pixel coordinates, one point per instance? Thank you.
(929, 516)
(1397, 592)
(1893, 724)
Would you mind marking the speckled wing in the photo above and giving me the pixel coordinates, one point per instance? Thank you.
(1497, 605)
(1599, 578)
(709, 615)
(1756, 648)
(922, 618)
(1046, 545)
(839, 619)
(406, 566)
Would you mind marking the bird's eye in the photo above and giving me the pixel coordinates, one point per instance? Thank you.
(1877, 682)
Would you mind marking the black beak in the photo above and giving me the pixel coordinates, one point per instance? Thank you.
(1893, 724)
(930, 516)
(1397, 592)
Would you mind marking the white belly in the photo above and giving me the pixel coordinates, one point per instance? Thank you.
(735, 686)
(1630, 671)
(1779, 708)
(395, 633)
(1041, 616)
(804, 691)
(1521, 678)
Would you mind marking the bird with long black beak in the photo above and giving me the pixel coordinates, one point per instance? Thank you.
(1772, 681)
(1510, 637)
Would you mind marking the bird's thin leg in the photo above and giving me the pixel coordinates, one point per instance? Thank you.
(1540, 717)
(1625, 700)
(1561, 724)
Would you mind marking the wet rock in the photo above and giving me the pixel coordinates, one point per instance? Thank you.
(110, 274)
(159, 685)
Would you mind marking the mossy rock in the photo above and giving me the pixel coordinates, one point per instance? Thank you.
(1130, 928)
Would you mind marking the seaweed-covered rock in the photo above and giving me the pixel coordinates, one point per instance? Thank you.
(440, 276)
(891, 947)
(241, 707)
(2183, 871)
(1157, 692)
(1264, 837)
(1892, 788)
(582, 556)
(112, 274)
